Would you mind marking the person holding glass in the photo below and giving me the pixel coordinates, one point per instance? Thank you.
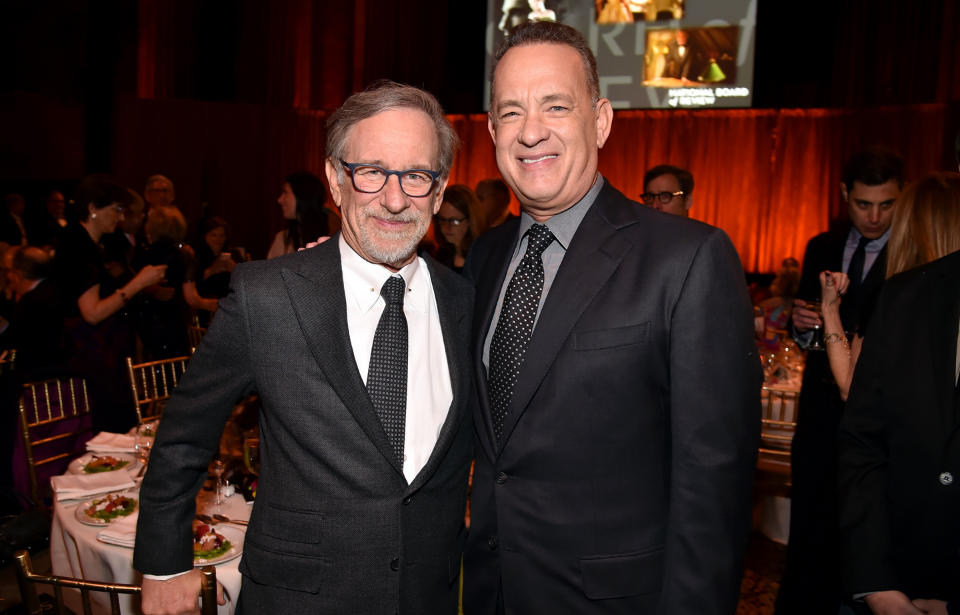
(98, 327)
(458, 223)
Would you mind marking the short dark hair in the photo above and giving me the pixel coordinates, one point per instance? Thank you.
(32, 263)
(684, 177)
(874, 166)
(100, 191)
(498, 186)
(550, 33)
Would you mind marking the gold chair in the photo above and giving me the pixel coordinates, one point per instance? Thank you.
(46, 402)
(779, 424)
(152, 383)
(27, 581)
(7, 363)
(195, 332)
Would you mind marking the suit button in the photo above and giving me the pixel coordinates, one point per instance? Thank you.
(501, 478)
(407, 500)
(946, 478)
(492, 543)
(395, 564)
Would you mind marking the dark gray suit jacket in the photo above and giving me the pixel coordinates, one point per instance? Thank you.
(336, 528)
(622, 482)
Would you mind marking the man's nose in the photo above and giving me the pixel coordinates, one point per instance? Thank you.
(392, 196)
(533, 130)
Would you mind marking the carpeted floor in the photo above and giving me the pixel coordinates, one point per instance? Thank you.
(761, 577)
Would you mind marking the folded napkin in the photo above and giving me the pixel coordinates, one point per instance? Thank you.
(105, 442)
(76, 486)
(122, 532)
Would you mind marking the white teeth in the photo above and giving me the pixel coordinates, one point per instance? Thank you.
(532, 160)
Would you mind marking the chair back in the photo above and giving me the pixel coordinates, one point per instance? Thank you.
(7, 362)
(27, 580)
(195, 333)
(152, 383)
(779, 423)
(44, 404)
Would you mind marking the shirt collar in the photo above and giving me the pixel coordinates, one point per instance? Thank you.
(363, 280)
(875, 245)
(564, 225)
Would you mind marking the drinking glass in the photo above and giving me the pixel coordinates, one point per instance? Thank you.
(251, 451)
(146, 433)
(817, 308)
(218, 469)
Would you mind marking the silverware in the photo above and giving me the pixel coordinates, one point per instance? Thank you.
(206, 519)
(224, 519)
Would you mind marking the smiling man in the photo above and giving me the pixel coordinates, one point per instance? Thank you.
(619, 383)
(358, 349)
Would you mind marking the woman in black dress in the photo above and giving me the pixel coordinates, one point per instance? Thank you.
(457, 224)
(98, 329)
(212, 267)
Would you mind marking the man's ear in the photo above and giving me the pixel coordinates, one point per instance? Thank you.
(688, 202)
(844, 192)
(438, 199)
(604, 121)
(491, 127)
(331, 172)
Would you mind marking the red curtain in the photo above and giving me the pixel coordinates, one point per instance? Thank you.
(769, 178)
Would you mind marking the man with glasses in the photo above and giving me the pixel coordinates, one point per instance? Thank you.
(668, 188)
(359, 351)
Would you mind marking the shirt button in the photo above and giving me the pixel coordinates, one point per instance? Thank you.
(502, 477)
(407, 500)
(946, 478)
(395, 564)
(492, 543)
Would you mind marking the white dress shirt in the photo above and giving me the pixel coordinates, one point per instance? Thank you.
(429, 391)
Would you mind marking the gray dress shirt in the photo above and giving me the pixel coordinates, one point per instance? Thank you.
(563, 226)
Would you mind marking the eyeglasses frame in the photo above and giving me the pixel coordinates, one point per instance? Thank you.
(351, 166)
(659, 196)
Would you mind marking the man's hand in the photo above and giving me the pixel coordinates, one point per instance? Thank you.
(892, 603)
(314, 244)
(176, 596)
(932, 607)
(804, 320)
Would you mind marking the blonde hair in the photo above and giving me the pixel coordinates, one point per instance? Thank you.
(926, 222)
(165, 224)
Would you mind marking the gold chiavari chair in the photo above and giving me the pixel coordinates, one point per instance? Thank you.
(27, 580)
(7, 363)
(152, 383)
(195, 333)
(47, 402)
(779, 423)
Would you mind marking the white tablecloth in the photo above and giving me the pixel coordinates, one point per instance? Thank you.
(76, 552)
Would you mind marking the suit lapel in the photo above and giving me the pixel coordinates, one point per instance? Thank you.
(593, 255)
(943, 323)
(316, 292)
(488, 293)
(453, 313)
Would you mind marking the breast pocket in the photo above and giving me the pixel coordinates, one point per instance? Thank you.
(612, 338)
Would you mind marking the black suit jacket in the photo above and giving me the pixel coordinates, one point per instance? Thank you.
(622, 482)
(336, 528)
(36, 328)
(900, 522)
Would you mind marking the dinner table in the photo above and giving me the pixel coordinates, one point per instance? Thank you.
(82, 550)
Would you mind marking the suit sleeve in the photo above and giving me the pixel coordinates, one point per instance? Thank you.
(219, 374)
(715, 382)
(865, 540)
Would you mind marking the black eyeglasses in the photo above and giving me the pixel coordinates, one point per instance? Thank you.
(369, 178)
(665, 197)
(451, 221)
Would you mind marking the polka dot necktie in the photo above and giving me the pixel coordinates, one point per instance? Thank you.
(515, 326)
(387, 376)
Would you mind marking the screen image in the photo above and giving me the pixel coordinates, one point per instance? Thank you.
(651, 53)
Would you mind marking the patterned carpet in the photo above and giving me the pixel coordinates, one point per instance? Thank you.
(761, 577)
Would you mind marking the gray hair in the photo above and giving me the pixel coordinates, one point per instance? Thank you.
(550, 33)
(383, 96)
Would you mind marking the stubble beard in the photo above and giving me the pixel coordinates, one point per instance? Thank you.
(386, 246)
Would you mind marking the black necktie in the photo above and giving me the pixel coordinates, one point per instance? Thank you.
(515, 325)
(387, 376)
(855, 271)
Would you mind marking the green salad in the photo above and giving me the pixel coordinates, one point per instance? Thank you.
(111, 507)
(208, 543)
(223, 548)
(104, 464)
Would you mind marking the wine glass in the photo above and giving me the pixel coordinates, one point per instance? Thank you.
(817, 308)
(146, 433)
(251, 451)
(218, 468)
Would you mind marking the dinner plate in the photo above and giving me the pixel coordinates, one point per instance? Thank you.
(85, 519)
(77, 465)
(235, 536)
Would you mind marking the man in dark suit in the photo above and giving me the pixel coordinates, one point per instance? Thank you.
(900, 449)
(619, 382)
(359, 351)
(679, 57)
(872, 180)
(36, 326)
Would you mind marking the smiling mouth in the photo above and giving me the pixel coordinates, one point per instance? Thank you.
(540, 159)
